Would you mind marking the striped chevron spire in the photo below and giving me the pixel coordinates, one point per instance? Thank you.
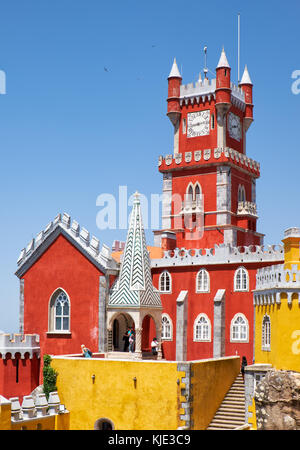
(134, 286)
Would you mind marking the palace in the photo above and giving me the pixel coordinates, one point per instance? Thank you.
(193, 289)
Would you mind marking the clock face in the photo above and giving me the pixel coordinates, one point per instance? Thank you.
(198, 123)
(234, 126)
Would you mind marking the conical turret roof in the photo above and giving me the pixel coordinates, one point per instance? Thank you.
(223, 62)
(246, 77)
(134, 286)
(174, 71)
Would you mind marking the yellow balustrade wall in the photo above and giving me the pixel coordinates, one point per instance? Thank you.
(210, 382)
(93, 389)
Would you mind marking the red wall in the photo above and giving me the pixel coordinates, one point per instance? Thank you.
(17, 382)
(63, 266)
(221, 277)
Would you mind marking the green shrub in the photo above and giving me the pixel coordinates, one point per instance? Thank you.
(49, 376)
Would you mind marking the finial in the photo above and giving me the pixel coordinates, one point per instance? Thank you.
(136, 197)
(205, 70)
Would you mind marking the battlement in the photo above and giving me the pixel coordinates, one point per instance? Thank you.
(205, 90)
(35, 407)
(278, 277)
(271, 281)
(220, 254)
(80, 235)
(19, 343)
(209, 156)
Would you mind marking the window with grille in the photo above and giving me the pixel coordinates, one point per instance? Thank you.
(202, 328)
(167, 328)
(239, 328)
(165, 282)
(59, 314)
(266, 333)
(202, 281)
(241, 279)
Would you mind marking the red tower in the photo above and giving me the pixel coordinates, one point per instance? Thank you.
(209, 182)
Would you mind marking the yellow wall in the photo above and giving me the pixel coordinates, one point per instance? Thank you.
(154, 403)
(284, 351)
(211, 381)
(5, 412)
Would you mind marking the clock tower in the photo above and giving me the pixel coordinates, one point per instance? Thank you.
(209, 183)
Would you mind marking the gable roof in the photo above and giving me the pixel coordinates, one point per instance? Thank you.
(79, 237)
(134, 286)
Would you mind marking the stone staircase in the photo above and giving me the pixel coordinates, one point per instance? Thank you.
(231, 413)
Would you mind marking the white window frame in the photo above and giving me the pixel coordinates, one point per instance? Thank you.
(240, 272)
(232, 330)
(202, 338)
(165, 290)
(53, 315)
(266, 333)
(201, 288)
(170, 324)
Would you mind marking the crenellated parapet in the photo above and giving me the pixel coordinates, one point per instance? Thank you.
(209, 156)
(19, 343)
(274, 280)
(33, 408)
(205, 90)
(79, 235)
(220, 254)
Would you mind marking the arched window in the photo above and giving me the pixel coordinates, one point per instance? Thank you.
(241, 279)
(59, 314)
(104, 424)
(165, 282)
(202, 281)
(239, 329)
(202, 329)
(241, 194)
(266, 333)
(166, 328)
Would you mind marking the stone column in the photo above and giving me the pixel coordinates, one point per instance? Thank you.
(21, 307)
(181, 326)
(158, 337)
(102, 342)
(219, 324)
(138, 343)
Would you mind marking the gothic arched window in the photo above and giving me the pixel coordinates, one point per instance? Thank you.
(167, 328)
(59, 314)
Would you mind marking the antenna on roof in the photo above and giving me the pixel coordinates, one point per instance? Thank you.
(205, 70)
(239, 44)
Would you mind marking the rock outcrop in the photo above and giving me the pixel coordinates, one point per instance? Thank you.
(277, 400)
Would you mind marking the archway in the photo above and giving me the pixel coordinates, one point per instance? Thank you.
(148, 333)
(104, 424)
(121, 323)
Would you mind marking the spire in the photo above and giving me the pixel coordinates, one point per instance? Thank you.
(223, 62)
(134, 286)
(174, 71)
(246, 77)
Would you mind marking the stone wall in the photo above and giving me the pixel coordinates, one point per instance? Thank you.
(277, 401)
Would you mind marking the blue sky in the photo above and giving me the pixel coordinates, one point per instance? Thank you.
(71, 130)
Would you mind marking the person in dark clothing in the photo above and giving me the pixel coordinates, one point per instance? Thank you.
(126, 340)
(243, 365)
